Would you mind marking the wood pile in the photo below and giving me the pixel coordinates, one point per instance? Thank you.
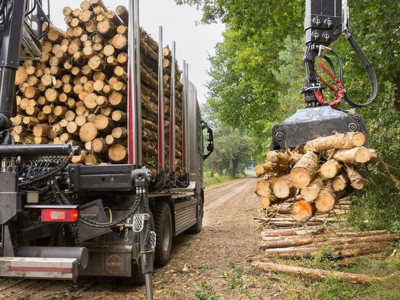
(307, 242)
(314, 176)
(77, 92)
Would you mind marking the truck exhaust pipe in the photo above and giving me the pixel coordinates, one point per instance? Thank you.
(80, 253)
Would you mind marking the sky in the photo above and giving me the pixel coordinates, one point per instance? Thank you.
(194, 43)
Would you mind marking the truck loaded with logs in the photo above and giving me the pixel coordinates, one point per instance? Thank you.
(101, 145)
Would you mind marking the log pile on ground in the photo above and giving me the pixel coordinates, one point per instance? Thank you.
(77, 92)
(314, 176)
(307, 242)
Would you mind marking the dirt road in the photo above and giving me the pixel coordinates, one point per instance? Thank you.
(211, 263)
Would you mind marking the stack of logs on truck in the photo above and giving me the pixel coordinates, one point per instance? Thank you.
(77, 92)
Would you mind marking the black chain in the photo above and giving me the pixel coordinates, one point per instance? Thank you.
(132, 210)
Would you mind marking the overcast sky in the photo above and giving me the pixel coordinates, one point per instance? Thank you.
(193, 43)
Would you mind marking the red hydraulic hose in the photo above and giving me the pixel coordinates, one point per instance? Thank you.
(338, 94)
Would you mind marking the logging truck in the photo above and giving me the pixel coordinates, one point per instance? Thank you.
(101, 145)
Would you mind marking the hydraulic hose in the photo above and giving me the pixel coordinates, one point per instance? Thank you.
(368, 69)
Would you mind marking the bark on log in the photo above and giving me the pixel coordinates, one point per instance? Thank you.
(345, 140)
(353, 156)
(356, 180)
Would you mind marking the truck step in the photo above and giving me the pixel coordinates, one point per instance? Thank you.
(37, 267)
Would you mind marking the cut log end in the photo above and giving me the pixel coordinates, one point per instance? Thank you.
(302, 211)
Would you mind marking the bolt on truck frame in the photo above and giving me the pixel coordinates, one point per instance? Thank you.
(61, 220)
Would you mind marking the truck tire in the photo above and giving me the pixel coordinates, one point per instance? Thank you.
(196, 228)
(163, 229)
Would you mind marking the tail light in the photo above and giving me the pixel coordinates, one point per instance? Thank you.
(62, 215)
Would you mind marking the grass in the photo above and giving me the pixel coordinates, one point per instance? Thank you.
(216, 179)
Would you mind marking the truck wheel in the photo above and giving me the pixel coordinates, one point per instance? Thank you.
(163, 229)
(196, 228)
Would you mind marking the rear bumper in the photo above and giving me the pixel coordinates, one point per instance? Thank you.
(39, 268)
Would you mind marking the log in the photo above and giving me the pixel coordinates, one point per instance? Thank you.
(119, 41)
(122, 12)
(88, 132)
(283, 187)
(321, 274)
(91, 159)
(311, 192)
(280, 158)
(261, 169)
(265, 201)
(96, 63)
(339, 183)
(304, 170)
(374, 156)
(103, 123)
(79, 158)
(119, 132)
(20, 76)
(99, 145)
(41, 130)
(356, 155)
(344, 250)
(356, 180)
(302, 211)
(264, 186)
(345, 140)
(119, 116)
(326, 199)
(117, 153)
(330, 169)
(285, 243)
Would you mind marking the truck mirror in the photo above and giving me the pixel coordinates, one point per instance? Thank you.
(210, 140)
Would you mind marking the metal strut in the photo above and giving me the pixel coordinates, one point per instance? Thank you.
(147, 238)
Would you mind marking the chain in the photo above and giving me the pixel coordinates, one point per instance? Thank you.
(95, 224)
(77, 235)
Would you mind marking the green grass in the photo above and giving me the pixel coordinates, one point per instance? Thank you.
(216, 180)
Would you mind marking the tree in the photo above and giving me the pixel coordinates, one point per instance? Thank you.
(232, 150)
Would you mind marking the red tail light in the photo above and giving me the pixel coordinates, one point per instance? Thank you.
(59, 215)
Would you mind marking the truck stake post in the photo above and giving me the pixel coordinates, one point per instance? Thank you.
(141, 177)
